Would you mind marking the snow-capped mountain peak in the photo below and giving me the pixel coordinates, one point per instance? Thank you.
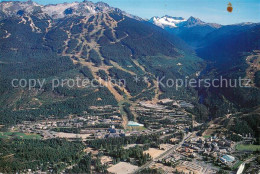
(192, 21)
(174, 22)
(10, 8)
(167, 21)
(85, 8)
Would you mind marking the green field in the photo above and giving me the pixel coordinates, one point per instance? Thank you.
(18, 135)
(207, 136)
(242, 147)
(237, 164)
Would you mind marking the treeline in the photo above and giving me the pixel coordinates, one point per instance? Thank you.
(247, 124)
(95, 58)
(151, 171)
(112, 143)
(126, 108)
(86, 163)
(115, 147)
(60, 109)
(241, 127)
(133, 87)
(21, 155)
(136, 152)
(67, 130)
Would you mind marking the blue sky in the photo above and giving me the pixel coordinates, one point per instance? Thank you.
(206, 10)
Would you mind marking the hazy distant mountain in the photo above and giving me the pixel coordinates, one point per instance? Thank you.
(233, 52)
(191, 30)
(226, 45)
(226, 30)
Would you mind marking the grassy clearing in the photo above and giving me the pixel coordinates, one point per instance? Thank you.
(135, 128)
(19, 135)
(207, 136)
(236, 165)
(250, 147)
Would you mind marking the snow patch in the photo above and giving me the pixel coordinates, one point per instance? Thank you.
(7, 34)
(22, 21)
(57, 11)
(33, 26)
(167, 21)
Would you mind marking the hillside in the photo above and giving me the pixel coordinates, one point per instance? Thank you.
(102, 44)
(233, 52)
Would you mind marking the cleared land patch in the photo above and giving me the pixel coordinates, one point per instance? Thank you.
(19, 135)
(251, 147)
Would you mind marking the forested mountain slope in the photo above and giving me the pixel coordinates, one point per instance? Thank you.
(102, 44)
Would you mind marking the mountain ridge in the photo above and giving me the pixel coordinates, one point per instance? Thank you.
(57, 11)
(104, 45)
